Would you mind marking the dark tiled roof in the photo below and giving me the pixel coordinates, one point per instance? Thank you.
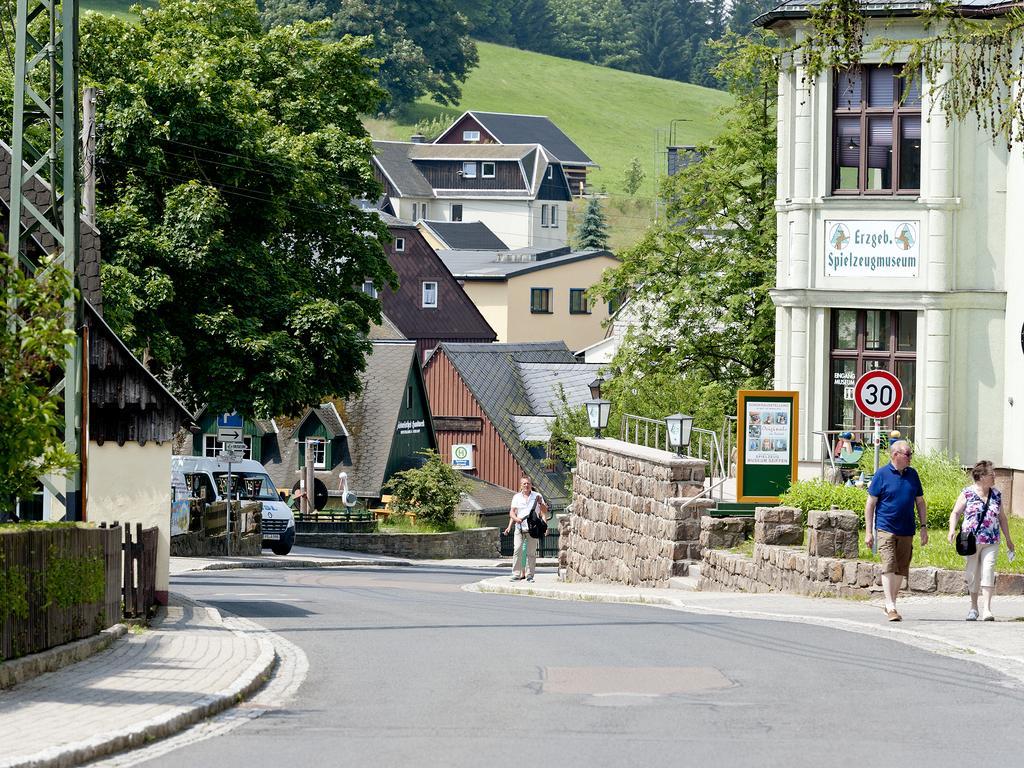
(465, 235)
(532, 129)
(800, 9)
(503, 151)
(372, 417)
(484, 497)
(393, 159)
(329, 417)
(386, 330)
(491, 371)
(89, 250)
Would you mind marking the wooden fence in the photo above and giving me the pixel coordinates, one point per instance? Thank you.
(57, 584)
(139, 571)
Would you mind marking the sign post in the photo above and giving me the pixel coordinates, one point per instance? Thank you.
(767, 440)
(878, 395)
(229, 435)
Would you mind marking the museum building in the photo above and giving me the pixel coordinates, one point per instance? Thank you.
(899, 247)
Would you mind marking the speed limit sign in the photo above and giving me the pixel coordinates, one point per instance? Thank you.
(878, 394)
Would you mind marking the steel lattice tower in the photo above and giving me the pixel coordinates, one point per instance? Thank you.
(44, 148)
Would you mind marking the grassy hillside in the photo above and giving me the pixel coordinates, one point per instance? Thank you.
(614, 116)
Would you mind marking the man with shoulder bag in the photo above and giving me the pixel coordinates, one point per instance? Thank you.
(525, 505)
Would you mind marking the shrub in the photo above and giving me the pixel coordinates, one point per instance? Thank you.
(432, 491)
(941, 476)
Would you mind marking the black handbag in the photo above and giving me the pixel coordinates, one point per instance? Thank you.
(537, 525)
(966, 541)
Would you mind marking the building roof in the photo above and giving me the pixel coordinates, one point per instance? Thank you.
(385, 330)
(484, 497)
(544, 382)
(393, 159)
(801, 9)
(372, 417)
(465, 235)
(471, 151)
(501, 265)
(529, 129)
(492, 372)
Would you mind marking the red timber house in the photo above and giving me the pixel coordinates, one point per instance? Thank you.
(430, 306)
(474, 127)
(496, 399)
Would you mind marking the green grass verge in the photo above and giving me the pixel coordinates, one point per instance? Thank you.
(612, 115)
(403, 525)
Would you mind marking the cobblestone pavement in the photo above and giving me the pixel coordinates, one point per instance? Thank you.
(186, 667)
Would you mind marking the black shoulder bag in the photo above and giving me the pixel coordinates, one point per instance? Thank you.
(966, 541)
(537, 525)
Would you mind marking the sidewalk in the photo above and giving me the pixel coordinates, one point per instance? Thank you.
(146, 686)
(931, 623)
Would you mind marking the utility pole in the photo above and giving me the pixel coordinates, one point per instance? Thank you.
(89, 154)
(308, 478)
(44, 185)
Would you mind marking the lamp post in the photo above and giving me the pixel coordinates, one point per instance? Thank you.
(679, 426)
(597, 414)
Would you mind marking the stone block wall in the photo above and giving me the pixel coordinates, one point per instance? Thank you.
(779, 525)
(833, 533)
(724, 532)
(472, 544)
(634, 516)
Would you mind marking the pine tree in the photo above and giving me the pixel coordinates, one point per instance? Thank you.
(593, 230)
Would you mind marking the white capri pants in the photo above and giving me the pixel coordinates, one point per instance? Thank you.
(983, 560)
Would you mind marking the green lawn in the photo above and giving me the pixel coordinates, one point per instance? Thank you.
(613, 115)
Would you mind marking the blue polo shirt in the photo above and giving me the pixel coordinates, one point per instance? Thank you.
(896, 493)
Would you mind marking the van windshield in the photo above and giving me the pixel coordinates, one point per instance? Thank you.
(247, 485)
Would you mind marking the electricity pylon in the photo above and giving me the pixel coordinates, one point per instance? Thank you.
(45, 183)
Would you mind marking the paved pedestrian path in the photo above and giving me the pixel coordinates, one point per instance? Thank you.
(147, 685)
(932, 623)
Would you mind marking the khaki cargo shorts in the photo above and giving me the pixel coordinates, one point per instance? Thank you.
(895, 552)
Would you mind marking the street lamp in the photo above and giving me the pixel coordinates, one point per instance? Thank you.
(597, 413)
(678, 426)
(595, 387)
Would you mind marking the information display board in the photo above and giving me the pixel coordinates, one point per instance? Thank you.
(766, 462)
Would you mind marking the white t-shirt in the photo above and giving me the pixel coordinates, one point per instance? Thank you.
(522, 505)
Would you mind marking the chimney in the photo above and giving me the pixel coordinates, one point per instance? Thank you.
(418, 138)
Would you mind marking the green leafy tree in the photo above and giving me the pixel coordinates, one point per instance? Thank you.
(593, 229)
(633, 177)
(230, 156)
(595, 31)
(423, 48)
(432, 491)
(701, 281)
(33, 343)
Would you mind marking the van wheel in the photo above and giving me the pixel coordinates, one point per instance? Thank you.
(282, 548)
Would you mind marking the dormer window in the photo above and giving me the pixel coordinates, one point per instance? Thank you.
(487, 170)
(399, 244)
(471, 135)
(369, 289)
(551, 171)
(469, 170)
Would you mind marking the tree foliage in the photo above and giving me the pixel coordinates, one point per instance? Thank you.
(423, 48)
(432, 491)
(33, 343)
(593, 229)
(230, 156)
(700, 281)
(633, 177)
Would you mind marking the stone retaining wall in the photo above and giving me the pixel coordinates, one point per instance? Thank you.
(724, 532)
(198, 544)
(477, 543)
(634, 516)
(788, 569)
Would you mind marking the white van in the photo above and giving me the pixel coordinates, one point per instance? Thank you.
(206, 478)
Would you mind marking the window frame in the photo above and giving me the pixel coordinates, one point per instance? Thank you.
(581, 293)
(423, 294)
(455, 207)
(372, 292)
(212, 446)
(544, 215)
(469, 169)
(471, 135)
(535, 307)
(483, 170)
(898, 112)
(319, 452)
(553, 220)
(400, 244)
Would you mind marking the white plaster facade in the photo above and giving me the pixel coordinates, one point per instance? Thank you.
(968, 292)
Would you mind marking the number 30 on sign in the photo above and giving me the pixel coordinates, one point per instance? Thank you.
(878, 394)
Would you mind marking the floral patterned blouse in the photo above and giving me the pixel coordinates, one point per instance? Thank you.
(988, 531)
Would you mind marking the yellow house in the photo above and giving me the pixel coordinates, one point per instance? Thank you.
(532, 294)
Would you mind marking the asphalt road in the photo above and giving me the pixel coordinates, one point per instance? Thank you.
(406, 669)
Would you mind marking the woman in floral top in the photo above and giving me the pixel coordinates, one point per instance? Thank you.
(984, 520)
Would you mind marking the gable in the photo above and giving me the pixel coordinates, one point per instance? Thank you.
(454, 133)
(533, 129)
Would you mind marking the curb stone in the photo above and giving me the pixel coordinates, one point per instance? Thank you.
(163, 726)
(24, 668)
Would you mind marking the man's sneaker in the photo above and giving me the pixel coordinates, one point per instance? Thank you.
(516, 578)
(892, 615)
(972, 615)
(529, 578)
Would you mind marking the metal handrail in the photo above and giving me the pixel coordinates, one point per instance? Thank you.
(706, 493)
(638, 430)
(828, 443)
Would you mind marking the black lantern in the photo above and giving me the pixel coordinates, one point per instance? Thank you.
(595, 385)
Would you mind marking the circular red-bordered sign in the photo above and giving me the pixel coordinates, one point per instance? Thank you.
(878, 394)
